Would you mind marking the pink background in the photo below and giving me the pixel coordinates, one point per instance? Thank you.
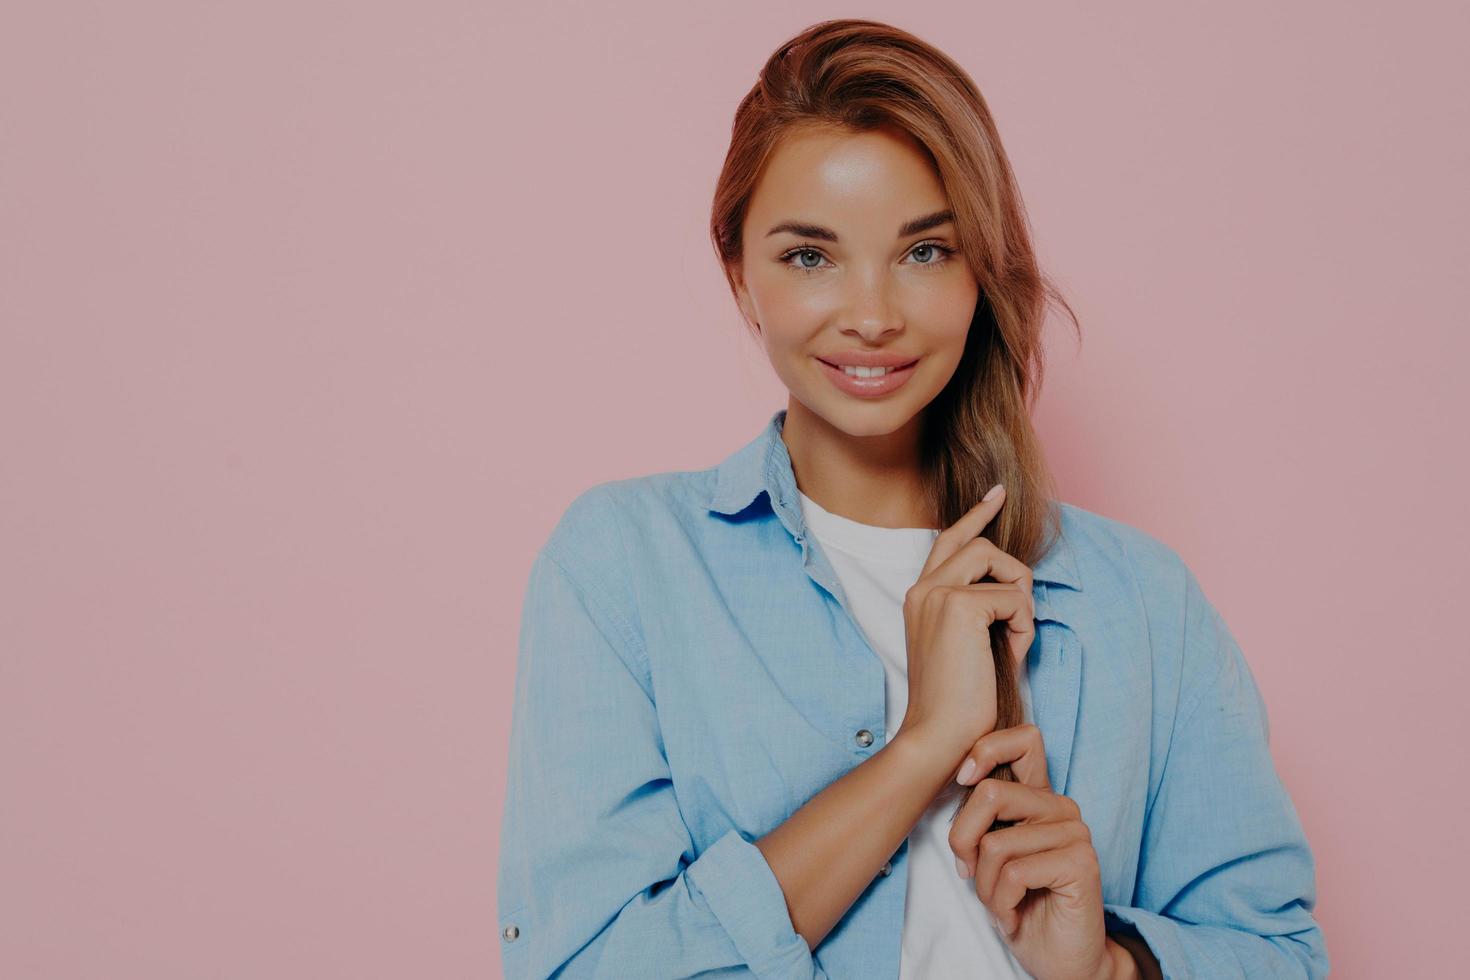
(316, 315)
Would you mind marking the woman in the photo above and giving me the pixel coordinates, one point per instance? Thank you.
(759, 728)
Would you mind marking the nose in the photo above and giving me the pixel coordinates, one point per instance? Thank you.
(870, 312)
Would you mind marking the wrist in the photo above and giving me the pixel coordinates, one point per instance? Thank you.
(1121, 964)
(942, 749)
(1142, 964)
(930, 762)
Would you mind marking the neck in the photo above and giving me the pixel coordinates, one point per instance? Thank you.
(871, 479)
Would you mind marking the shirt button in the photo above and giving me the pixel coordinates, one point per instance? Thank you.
(887, 869)
(511, 933)
(864, 737)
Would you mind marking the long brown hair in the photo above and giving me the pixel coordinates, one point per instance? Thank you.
(862, 74)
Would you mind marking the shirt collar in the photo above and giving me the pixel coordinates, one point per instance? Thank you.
(764, 465)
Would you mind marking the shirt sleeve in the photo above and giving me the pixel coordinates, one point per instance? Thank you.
(597, 874)
(1227, 882)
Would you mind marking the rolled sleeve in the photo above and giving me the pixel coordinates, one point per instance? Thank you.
(1227, 881)
(598, 873)
(742, 891)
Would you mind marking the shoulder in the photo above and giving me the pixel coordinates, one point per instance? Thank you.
(1125, 564)
(605, 522)
(619, 540)
(1107, 548)
(1121, 563)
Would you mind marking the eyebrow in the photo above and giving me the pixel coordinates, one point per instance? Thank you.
(913, 227)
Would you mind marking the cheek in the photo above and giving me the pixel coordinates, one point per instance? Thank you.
(783, 293)
(784, 301)
(946, 315)
(948, 308)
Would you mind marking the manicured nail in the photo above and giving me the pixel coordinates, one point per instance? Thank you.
(959, 866)
(966, 771)
(989, 494)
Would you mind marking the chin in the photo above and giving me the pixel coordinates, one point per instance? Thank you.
(877, 418)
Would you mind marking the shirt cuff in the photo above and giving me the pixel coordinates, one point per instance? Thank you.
(1158, 931)
(743, 893)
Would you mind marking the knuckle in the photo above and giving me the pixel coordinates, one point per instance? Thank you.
(1087, 860)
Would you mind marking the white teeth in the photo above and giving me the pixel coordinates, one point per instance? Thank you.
(865, 372)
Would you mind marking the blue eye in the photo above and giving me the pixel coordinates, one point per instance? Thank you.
(944, 252)
(801, 266)
(939, 253)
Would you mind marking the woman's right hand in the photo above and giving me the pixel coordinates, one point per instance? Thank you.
(947, 616)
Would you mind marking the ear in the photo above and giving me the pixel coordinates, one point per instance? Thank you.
(742, 297)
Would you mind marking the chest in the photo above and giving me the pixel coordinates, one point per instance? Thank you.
(768, 690)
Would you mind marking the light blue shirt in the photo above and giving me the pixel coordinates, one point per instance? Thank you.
(689, 675)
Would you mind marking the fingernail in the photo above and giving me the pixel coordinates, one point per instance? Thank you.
(991, 492)
(966, 771)
(959, 866)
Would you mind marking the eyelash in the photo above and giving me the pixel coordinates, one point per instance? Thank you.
(785, 259)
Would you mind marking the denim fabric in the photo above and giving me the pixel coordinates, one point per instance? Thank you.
(689, 675)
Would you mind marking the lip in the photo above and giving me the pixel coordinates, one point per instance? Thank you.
(868, 387)
(868, 358)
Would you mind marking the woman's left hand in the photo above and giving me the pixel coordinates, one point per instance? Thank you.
(1039, 878)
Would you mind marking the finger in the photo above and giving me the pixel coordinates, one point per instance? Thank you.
(979, 560)
(1010, 801)
(1071, 869)
(966, 529)
(987, 602)
(1000, 847)
(1020, 745)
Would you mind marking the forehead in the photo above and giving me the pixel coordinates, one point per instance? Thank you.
(882, 174)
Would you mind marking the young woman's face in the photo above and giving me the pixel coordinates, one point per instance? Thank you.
(833, 263)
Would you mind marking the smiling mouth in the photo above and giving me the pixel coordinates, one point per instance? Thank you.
(854, 371)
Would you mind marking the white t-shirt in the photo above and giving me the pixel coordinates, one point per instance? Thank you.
(947, 930)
